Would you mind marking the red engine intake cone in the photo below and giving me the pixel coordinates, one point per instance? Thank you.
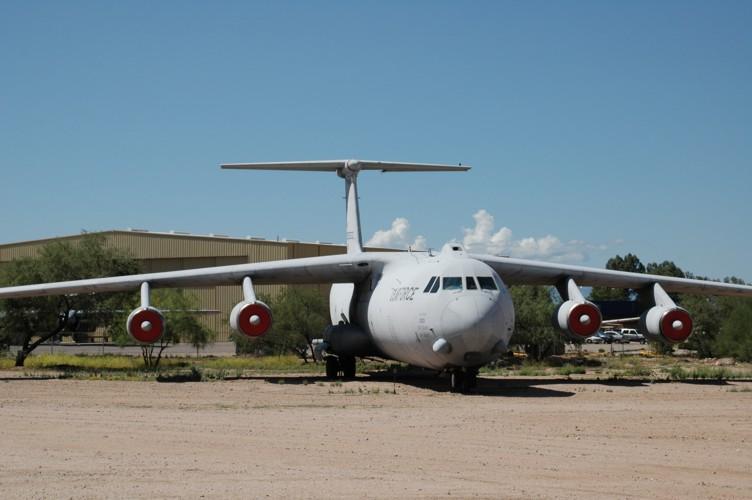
(584, 320)
(676, 326)
(146, 325)
(254, 320)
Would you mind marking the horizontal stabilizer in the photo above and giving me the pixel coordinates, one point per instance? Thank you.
(348, 170)
(353, 165)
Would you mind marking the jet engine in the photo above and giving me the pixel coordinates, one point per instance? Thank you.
(670, 324)
(251, 318)
(145, 325)
(578, 320)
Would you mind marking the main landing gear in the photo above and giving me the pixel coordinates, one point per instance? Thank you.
(340, 366)
(463, 379)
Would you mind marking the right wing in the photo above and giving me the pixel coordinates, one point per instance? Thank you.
(329, 269)
(530, 272)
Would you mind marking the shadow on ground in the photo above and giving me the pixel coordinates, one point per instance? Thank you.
(488, 386)
(534, 387)
(505, 387)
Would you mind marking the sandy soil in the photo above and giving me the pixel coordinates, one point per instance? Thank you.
(253, 438)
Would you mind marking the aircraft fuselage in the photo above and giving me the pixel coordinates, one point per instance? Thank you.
(416, 299)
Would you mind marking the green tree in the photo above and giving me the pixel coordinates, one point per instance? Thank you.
(45, 317)
(300, 315)
(735, 336)
(705, 311)
(665, 268)
(629, 263)
(181, 324)
(533, 330)
(718, 329)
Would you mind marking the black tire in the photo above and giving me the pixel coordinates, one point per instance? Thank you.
(348, 366)
(332, 367)
(456, 381)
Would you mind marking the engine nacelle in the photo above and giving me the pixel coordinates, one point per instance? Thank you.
(252, 319)
(666, 324)
(578, 320)
(146, 325)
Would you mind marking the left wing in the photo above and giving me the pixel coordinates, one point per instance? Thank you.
(530, 272)
(350, 268)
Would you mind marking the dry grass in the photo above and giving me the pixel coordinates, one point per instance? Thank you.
(112, 367)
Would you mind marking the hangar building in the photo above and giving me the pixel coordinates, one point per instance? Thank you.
(173, 251)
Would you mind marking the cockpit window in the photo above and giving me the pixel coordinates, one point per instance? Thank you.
(452, 283)
(429, 285)
(470, 283)
(435, 287)
(486, 283)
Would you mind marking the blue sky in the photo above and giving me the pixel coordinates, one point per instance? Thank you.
(594, 128)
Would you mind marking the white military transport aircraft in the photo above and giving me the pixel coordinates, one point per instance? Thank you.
(447, 311)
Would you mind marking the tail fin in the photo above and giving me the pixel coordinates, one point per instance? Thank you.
(348, 169)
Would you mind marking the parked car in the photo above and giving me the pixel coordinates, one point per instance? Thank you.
(595, 339)
(612, 336)
(632, 335)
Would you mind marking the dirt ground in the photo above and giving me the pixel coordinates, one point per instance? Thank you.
(302, 437)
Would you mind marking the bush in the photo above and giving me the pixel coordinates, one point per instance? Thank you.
(735, 337)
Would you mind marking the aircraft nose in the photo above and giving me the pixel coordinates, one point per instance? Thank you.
(467, 323)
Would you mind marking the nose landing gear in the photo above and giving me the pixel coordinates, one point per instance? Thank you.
(463, 379)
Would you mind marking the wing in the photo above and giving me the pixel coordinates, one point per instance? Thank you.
(330, 269)
(529, 272)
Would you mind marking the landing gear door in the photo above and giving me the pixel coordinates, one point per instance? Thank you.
(341, 302)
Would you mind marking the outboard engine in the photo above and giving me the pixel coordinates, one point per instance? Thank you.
(665, 321)
(666, 324)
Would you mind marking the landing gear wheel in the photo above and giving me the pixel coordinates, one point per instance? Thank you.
(456, 380)
(348, 366)
(332, 367)
(463, 379)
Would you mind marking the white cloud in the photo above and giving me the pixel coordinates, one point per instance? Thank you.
(398, 236)
(420, 243)
(481, 238)
(484, 238)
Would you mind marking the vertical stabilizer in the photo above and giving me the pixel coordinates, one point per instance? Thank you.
(348, 170)
(354, 237)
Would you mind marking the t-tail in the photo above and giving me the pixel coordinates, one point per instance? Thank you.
(348, 170)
